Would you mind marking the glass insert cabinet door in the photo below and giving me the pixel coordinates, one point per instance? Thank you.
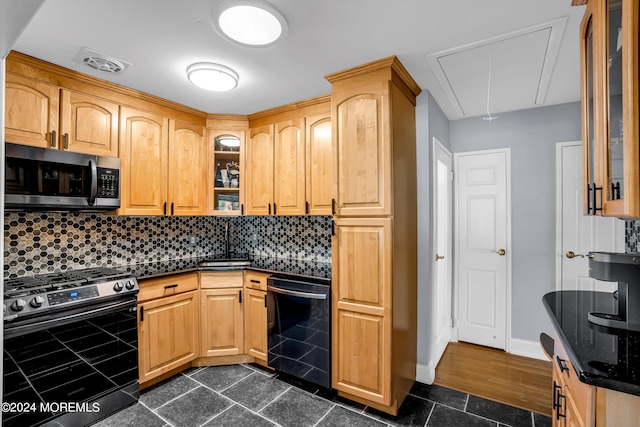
(588, 115)
(610, 109)
(615, 186)
(227, 173)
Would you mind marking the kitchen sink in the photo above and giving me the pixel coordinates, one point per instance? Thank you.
(221, 261)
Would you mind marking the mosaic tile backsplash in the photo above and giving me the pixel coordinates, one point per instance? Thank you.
(632, 236)
(50, 242)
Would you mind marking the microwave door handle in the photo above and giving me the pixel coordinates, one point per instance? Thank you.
(307, 295)
(94, 182)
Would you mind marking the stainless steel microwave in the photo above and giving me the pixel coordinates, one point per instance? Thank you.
(38, 179)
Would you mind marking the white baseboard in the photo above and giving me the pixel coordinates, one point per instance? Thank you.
(527, 349)
(425, 374)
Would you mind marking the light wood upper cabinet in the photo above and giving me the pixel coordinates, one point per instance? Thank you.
(44, 115)
(144, 139)
(88, 124)
(295, 140)
(319, 168)
(361, 156)
(187, 169)
(259, 185)
(610, 97)
(289, 168)
(167, 334)
(31, 112)
(164, 165)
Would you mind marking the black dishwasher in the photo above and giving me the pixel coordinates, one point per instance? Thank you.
(299, 326)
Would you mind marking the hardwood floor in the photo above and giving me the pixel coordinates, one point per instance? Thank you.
(496, 375)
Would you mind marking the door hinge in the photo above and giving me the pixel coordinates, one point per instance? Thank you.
(452, 322)
(451, 175)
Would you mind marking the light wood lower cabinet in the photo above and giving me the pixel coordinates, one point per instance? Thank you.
(361, 308)
(222, 322)
(255, 332)
(577, 404)
(167, 334)
(221, 313)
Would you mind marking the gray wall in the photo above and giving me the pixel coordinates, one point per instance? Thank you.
(430, 122)
(532, 136)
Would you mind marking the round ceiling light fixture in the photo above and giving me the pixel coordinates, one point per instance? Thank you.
(252, 23)
(213, 77)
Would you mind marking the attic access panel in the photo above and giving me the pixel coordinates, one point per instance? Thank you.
(521, 67)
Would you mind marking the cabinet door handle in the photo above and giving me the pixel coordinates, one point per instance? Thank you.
(562, 364)
(175, 285)
(274, 209)
(333, 206)
(54, 139)
(269, 208)
(255, 281)
(561, 396)
(242, 209)
(171, 208)
(556, 387)
(306, 208)
(164, 208)
(589, 200)
(265, 300)
(333, 228)
(240, 297)
(142, 313)
(65, 138)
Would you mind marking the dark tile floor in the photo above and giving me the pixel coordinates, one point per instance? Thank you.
(249, 396)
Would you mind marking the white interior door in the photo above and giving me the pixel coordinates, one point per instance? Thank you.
(442, 214)
(482, 251)
(579, 234)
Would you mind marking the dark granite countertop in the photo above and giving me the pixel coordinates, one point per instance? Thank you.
(293, 267)
(602, 357)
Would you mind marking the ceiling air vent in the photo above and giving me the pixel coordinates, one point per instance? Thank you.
(100, 61)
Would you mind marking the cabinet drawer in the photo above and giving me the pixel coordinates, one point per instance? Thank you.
(165, 286)
(581, 393)
(221, 279)
(255, 280)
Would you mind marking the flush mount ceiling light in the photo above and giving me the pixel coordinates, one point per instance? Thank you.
(229, 141)
(250, 23)
(213, 77)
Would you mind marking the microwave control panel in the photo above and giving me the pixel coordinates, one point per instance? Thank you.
(108, 183)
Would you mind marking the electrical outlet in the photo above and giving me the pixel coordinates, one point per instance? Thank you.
(193, 240)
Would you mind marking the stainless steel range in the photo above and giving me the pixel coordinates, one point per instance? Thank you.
(71, 347)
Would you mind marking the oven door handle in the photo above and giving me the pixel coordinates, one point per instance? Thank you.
(307, 295)
(39, 325)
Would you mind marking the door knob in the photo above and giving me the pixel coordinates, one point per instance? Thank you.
(439, 257)
(500, 252)
(571, 255)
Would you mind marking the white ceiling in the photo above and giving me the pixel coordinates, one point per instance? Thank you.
(161, 38)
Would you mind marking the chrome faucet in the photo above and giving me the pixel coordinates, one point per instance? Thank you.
(227, 240)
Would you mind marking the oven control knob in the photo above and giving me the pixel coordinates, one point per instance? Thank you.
(37, 302)
(18, 305)
(117, 286)
(130, 285)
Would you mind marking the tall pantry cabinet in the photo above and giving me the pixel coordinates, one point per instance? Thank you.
(374, 280)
